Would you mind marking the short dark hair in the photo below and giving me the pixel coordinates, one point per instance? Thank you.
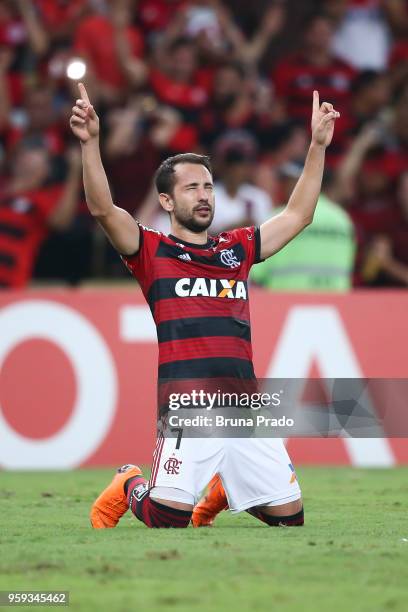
(365, 78)
(164, 178)
(314, 16)
(180, 42)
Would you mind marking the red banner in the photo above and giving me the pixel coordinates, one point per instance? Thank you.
(78, 370)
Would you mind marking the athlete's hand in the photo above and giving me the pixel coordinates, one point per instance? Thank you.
(323, 119)
(84, 121)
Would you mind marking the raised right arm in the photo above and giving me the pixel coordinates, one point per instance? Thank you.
(120, 227)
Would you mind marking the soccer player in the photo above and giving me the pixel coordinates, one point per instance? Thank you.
(196, 287)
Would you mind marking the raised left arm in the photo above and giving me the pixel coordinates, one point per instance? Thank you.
(298, 213)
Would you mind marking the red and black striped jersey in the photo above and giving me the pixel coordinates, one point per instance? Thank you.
(198, 296)
(23, 228)
(295, 79)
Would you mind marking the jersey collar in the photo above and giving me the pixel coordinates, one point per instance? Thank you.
(207, 245)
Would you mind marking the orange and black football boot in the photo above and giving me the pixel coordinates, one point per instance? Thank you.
(212, 504)
(112, 503)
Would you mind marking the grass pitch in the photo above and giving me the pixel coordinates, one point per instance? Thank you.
(352, 553)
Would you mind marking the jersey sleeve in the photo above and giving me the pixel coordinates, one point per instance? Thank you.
(250, 240)
(140, 264)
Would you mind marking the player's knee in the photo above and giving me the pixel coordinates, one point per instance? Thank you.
(291, 520)
(159, 516)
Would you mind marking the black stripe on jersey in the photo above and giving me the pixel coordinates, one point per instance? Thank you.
(161, 289)
(173, 251)
(12, 230)
(7, 260)
(257, 235)
(211, 367)
(201, 327)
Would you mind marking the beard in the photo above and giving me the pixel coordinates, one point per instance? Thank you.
(190, 222)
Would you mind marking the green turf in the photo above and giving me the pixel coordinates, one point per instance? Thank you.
(351, 555)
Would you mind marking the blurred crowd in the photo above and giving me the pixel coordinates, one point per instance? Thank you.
(230, 78)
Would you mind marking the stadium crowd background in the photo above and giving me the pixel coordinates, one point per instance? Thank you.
(230, 78)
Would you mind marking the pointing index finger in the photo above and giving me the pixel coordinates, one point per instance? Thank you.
(83, 92)
(316, 101)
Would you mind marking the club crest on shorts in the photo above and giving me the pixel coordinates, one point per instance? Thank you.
(172, 465)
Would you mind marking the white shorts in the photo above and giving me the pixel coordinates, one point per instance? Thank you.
(254, 471)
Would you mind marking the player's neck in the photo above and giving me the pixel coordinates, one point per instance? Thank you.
(187, 235)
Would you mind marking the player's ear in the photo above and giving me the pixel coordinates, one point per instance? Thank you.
(166, 202)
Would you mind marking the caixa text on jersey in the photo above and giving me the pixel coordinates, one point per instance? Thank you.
(211, 287)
